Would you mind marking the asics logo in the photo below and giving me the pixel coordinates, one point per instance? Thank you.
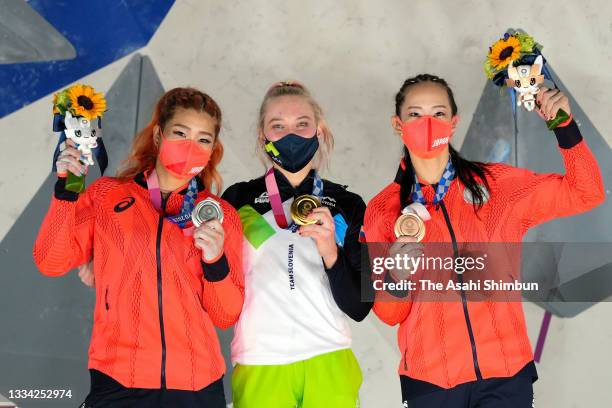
(124, 204)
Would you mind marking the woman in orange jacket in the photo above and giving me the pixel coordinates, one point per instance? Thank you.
(162, 284)
(465, 353)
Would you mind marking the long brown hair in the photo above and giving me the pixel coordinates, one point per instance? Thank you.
(470, 173)
(144, 151)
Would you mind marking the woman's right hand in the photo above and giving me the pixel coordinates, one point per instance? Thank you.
(404, 246)
(68, 160)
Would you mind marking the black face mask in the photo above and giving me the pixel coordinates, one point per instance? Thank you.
(292, 152)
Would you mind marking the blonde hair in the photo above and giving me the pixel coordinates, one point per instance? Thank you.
(294, 88)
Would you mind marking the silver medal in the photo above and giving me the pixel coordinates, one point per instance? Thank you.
(206, 210)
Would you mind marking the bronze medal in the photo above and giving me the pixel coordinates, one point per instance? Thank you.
(206, 210)
(410, 225)
(302, 206)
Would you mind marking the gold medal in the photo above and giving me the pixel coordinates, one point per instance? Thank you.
(205, 210)
(410, 225)
(302, 206)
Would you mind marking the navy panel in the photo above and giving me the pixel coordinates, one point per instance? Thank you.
(101, 31)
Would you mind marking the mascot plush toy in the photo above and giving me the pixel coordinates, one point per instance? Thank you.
(77, 116)
(516, 61)
(526, 80)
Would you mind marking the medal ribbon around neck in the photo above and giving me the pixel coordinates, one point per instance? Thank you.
(277, 204)
(184, 216)
(443, 185)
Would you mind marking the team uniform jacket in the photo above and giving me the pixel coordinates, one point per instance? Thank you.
(156, 302)
(450, 343)
(294, 308)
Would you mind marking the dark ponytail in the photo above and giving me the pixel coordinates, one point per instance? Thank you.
(470, 173)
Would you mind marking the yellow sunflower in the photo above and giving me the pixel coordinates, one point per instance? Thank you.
(86, 102)
(503, 51)
(55, 108)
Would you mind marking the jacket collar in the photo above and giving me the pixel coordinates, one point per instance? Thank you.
(287, 190)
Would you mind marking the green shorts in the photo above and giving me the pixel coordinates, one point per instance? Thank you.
(329, 380)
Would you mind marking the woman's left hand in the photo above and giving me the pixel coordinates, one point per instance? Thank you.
(209, 237)
(323, 233)
(551, 100)
(86, 274)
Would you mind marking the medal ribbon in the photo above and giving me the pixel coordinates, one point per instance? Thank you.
(188, 201)
(418, 209)
(277, 204)
(441, 189)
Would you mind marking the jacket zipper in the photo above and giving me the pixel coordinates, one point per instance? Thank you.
(463, 297)
(159, 300)
(106, 298)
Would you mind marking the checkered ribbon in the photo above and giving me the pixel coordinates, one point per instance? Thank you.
(441, 189)
(317, 186)
(188, 201)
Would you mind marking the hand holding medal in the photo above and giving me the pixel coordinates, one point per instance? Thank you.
(208, 233)
(319, 225)
(405, 246)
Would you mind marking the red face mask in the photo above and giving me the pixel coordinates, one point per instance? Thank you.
(183, 158)
(426, 136)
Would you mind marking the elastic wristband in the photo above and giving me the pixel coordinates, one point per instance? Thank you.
(568, 136)
(394, 292)
(61, 193)
(216, 271)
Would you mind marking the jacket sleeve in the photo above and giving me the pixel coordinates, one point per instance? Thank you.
(542, 197)
(391, 308)
(223, 279)
(65, 238)
(345, 276)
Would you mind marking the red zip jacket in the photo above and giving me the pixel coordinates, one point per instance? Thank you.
(450, 343)
(156, 302)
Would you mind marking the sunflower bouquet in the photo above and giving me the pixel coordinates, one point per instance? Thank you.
(80, 100)
(516, 61)
(77, 114)
(512, 47)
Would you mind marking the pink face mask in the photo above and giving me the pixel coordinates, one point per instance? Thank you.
(426, 137)
(183, 158)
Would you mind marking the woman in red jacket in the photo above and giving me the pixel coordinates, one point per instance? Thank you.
(465, 353)
(161, 283)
